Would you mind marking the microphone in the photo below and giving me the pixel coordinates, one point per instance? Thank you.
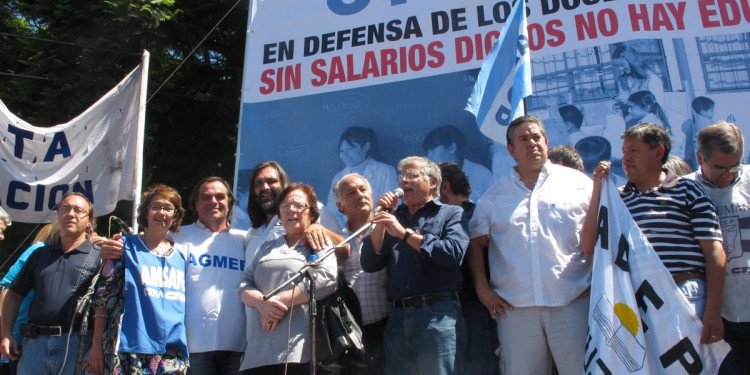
(122, 225)
(399, 192)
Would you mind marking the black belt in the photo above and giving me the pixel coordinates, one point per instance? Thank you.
(681, 277)
(32, 330)
(422, 300)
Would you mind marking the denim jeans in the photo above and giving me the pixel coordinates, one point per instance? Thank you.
(429, 340)
(737, 335)
(695, 291)
(44, 355)
(220, 362)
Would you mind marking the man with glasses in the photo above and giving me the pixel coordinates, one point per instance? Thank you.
(214, 316)
(421, 244)
(725, 179)
(59, 274)
(539, 277)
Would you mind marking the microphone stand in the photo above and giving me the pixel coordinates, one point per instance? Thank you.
(82, 310)
(309, 270)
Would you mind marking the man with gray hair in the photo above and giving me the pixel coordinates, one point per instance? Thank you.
(725, 179)
(353, 197)
(4, 223)
(422, 244)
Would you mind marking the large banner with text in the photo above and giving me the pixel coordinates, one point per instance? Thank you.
(332, 87)
(93, 154)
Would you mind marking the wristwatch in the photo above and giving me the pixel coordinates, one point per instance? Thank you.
(408, 234)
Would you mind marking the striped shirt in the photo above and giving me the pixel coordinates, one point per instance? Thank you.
(674, 216)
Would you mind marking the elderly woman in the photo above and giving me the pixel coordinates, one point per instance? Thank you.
(280, 326)
(146, 290)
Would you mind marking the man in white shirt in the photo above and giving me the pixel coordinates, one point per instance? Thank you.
(725, 179)
(214, 316)
(539, 276)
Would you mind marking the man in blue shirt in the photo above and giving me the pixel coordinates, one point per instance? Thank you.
(60, 274)
(422, 245)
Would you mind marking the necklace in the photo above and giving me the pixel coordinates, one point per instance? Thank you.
(154, 249)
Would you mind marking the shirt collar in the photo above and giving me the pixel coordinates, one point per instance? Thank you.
(85, 247)
(403, 209)
(201, 226)
(669, 182)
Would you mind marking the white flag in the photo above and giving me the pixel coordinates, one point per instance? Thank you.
(94, 154)
(639, 322)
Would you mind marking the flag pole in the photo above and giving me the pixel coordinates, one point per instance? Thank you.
(139, 140)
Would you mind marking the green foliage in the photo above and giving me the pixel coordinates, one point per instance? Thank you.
(66, 54)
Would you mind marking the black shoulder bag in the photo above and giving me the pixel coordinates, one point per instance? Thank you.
(339, 328)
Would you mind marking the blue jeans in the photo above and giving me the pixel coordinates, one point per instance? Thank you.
(45, 354)
(695, 291)
(737, 335)
(220, 362)
(430, 340)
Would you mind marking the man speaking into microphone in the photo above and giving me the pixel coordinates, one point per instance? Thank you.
(422, 244)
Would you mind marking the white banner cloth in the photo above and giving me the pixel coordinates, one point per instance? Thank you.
(639, 322)
(94, 154)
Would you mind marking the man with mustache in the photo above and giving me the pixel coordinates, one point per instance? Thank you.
(353, 197)
(422, 244)
(539, 277)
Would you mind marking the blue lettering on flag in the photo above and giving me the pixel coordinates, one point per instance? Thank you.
(502, 84)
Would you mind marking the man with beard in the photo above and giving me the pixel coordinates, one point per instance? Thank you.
(267, 181)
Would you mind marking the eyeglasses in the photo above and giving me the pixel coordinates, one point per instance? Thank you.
(156, 209)
(299, 207)
(722, 170)
(410, 175)
(77, 211)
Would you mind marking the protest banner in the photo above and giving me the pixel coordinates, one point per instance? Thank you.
(403, 68)
(97, 154)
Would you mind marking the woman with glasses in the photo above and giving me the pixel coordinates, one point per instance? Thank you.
(141, 298)
(280, 326)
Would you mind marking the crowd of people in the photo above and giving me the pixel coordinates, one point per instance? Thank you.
(446, 285)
